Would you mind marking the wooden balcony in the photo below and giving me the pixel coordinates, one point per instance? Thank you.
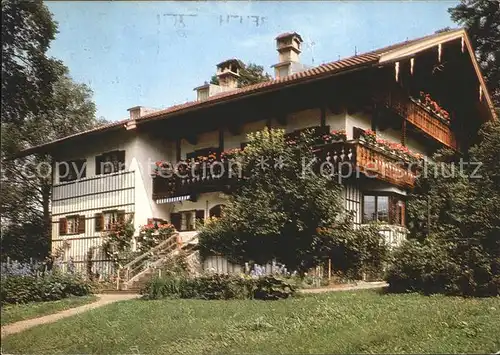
(349, 159)
(371, 161)
(421, 118)
(196, 179)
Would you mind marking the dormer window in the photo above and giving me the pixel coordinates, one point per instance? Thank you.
(110, 162)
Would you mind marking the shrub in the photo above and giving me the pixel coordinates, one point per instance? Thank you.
(50, 287)
(218, 287)
(438, 267)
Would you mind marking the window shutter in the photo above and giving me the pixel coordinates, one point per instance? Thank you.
(99, 222)
(81, 224)
(63, 226)
(175, 219)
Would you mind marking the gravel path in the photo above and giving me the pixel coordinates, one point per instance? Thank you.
(359, 286)
(101, 301)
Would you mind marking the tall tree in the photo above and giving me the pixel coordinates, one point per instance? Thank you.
(481, 18)
(40, 103)
(277, 210)
(28, 74)
(250, 74)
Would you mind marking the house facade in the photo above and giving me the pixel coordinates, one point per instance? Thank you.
(417, 96)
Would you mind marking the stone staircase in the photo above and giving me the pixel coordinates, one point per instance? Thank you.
(134, 275)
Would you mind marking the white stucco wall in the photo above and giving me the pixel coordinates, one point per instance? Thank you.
(390, 135)
(234, 141)
(303, 119)
(358, 119)
(204, 140)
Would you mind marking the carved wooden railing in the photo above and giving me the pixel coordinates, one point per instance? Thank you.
(420, 117)
(203, 178)
(372, 161)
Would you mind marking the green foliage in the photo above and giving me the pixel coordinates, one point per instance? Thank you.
(40, 103)
(117, 243)
(276, 210)
(55, 286)
(149, 236)
(359, 322)
(457, 221)
(357, 251)
(218, 287)
(28, 74)
(481, 19)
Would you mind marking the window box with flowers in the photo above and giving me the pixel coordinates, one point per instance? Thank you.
(426, 102)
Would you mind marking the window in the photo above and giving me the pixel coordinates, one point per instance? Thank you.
(106, 220)
(186, 220)
(72, 225)
(383, 208)
(72, 170)
(111, 162)
(216, 211)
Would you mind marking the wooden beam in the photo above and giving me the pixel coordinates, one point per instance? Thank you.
(178, 149)
(323, 116)
(221, 139)
(192, 139)
(235, 129)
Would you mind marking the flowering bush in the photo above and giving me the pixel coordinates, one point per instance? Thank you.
(369, 136)
(117, 242)
(426, 100)
(151, 235)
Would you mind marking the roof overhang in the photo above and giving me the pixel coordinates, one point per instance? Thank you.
(410, 50)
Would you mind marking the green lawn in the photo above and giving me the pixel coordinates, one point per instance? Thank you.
(15, 313)
(342, 322)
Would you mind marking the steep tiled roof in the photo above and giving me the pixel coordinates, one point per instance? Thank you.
(325, 70)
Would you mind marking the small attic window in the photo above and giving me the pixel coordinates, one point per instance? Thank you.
(234, 68)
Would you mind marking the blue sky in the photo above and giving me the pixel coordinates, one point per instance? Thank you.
(143, 53)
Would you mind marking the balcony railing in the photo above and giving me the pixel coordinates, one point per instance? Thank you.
(422, 118)
(372, 161)
(350, 159)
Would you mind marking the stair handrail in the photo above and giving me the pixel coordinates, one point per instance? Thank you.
(151, 251)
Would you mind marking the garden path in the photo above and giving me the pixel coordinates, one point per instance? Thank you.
(350, 287)
(102, 300)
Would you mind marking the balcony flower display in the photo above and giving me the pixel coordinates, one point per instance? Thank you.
(394, 148)
(369, 136)
(334, 136)
(230, 153)
(431, 105)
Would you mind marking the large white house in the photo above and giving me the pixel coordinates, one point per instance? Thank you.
(110, 167)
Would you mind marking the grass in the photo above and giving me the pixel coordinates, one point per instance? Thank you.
(16, 313)
(341, 322)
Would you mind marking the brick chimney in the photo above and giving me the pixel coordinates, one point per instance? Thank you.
(288, 46)
(228, 73)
